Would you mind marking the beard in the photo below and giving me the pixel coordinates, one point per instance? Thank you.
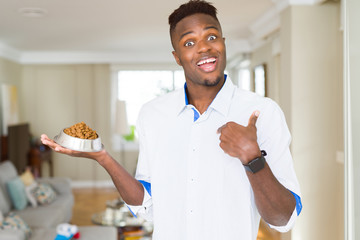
(210, 83)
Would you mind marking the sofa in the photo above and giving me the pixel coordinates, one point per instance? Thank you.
(42, 220)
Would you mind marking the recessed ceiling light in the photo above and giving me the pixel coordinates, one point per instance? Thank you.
(32, 12)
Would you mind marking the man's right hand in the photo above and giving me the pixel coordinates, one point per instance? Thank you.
(131, 190)
(57, 148)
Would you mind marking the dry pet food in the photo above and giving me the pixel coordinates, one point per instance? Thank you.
(81, 130)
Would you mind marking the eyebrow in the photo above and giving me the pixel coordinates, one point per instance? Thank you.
(206, 28)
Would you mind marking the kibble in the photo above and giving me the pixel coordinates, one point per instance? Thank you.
(81, 130)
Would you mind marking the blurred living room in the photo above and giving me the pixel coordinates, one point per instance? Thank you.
(66, 62)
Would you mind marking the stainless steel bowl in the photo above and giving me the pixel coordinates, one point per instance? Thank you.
(78, 144)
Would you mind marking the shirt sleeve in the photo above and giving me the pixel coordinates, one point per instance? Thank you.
(274, 137)
(289, 225)
(144, 210)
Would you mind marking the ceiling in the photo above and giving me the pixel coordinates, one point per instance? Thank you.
(118, 30)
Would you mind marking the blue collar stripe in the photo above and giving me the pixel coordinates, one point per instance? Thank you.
(146, 185)
(298, 203)
(132, 212)
(196, 114)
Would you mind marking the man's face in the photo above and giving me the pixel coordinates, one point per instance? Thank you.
(200, 49)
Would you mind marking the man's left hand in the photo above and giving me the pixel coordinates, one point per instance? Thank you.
(240, 141)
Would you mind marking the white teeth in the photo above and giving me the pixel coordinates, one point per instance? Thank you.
(208, 60)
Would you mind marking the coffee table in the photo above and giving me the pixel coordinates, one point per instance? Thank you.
(128, 226)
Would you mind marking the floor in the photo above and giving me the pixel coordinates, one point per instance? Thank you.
(91, 200)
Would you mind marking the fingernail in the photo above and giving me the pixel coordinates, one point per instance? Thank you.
(257, 113)
(57, 149)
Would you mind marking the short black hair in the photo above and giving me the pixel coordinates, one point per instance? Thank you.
(190, 8)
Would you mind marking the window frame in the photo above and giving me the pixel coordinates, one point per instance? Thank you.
(118, 143)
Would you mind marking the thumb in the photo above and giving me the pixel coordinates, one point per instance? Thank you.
(220, 129)
(253, 118)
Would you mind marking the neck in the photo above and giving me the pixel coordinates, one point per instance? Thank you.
(201, 96)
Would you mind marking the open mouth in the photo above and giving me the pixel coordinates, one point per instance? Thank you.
(207, 64)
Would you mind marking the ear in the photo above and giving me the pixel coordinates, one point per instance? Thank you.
(177, 59)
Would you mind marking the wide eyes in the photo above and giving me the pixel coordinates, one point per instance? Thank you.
(188, 44)
(191, 43)
(212, 37)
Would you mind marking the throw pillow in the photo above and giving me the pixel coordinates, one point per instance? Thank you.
(27, 177)
(29, 194)
(16, 189)
(13, 221)
(44, 193)
(4, 204)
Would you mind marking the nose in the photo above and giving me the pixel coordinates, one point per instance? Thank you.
(203, 46)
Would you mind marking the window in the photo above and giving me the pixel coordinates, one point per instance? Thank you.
(244, 80)
(138, 87)
(260, 79)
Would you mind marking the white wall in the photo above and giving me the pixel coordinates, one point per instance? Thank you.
(352, 100)
(10, 72)
(311, 95)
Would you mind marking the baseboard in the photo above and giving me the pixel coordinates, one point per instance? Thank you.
(89, 184)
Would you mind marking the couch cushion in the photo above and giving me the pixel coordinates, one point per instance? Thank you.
(65, 203)
(31, 198)
(49, 215)
(7, 172)
(16, 190)
(14, 221)
(12, 234)
(4, 205)
(42, 216)
(43, 233)
(27, 177)
(44, 193)
(65, 198)
(61, 185)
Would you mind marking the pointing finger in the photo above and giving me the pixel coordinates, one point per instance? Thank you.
(253, 118)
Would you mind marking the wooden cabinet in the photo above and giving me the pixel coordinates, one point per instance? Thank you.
(37, 155)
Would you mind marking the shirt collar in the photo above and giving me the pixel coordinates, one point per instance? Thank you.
(221, 102)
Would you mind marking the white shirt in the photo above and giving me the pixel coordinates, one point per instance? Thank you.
(198, 191)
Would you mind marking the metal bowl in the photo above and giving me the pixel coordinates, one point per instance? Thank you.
(78, 144)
